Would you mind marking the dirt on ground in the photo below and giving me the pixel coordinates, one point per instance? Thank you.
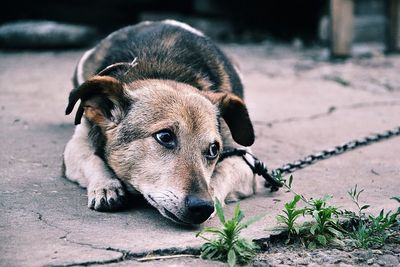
(277, 253)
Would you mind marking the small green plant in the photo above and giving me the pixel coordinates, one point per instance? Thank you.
(288, 184)
(355, 197)
(291, 214)
(374, 232)
(325, 227)
(228, 246)
(370, 231)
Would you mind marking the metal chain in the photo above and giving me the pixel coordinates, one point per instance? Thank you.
(271, 177)
(337, 150)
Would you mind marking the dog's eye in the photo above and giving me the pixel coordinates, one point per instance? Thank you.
(166, 138)
(213, 151)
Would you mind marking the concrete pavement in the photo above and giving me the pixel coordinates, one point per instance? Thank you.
(299, 103)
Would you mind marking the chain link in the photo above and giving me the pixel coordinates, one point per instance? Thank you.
(337, 150)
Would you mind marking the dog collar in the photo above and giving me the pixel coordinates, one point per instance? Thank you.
(110, 68)
(257, 166)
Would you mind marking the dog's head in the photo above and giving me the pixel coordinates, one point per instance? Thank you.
(163, 138)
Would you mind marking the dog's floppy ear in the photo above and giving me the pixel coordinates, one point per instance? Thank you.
(102, 100)
(234, 112)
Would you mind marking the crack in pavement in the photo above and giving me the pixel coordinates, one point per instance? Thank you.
(126, 255)
(330, 111)
(84, 263)
(271, 124)
(40, 218)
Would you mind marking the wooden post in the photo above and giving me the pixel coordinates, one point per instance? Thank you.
(393, 26)
(341, 25)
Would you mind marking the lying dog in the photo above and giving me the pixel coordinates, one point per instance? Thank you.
(158, 104)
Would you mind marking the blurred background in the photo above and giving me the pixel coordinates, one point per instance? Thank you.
(299, 21)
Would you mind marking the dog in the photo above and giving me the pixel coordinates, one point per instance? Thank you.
(159, 103)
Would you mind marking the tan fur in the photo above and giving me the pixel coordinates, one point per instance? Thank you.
(169, 42)
(225, 84)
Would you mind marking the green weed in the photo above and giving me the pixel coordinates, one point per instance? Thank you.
(325, 221)
(228, 246)
(324, 228)
(291, 214)
(369, 231)
(375, 231)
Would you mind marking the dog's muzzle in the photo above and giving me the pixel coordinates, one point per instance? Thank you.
(192, 210)
(198, 210)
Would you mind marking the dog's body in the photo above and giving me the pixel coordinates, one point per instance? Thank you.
(157, 126)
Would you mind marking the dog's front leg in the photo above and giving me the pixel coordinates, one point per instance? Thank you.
(233, 179)
(105, 191)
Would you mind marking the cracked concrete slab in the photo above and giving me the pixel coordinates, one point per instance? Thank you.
(44, 219)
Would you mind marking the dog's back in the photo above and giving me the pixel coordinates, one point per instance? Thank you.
(167, 50)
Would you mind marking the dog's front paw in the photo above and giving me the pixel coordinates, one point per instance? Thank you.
(106, 195)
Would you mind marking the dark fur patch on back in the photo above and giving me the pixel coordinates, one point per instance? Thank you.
(167, 52)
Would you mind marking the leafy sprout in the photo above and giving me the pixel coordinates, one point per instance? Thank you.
(325, 227)
(291, 213)
(227, 245)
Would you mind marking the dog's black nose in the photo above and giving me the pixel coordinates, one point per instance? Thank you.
(198, 209)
